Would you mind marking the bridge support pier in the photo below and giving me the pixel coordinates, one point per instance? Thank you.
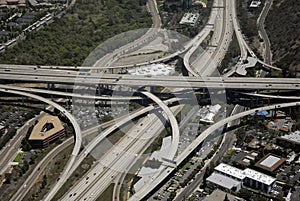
(203, 93)
(50, 86)
(100, 89)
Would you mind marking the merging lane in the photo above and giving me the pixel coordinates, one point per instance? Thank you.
(149, 187)
(78, 137)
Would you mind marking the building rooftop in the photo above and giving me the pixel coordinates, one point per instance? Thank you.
(153, 70)
(189, 18)
(270, 162)
(241, 174)
(40, 133)
(258, 176)
(223, 180)
(261, 113)
(255, 4)
(294, 137)
(219, 195)
(230, 170)
(212, 111)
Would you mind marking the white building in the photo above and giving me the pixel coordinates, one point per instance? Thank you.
(258, 180)
(213, 110)
(292, 137)
(255, 4)
(247, 177)
(230, 171)
(153, 70)
(224, 181)
(189, 18)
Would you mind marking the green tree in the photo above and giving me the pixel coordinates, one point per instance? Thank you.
(44, 182)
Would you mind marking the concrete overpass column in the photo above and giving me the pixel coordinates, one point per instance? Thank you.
(100, 89)
(50, 86)
(203, 93)
(151, 89)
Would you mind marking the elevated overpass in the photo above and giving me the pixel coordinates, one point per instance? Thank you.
(88, 148)
(78, 136)
(69, 94)
(150, 186)
(93, 79)
(244, 47)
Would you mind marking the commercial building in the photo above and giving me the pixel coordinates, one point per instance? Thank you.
(258, 180)
(230, 171)
(293, 138)
(232, 178)
(190, 18)
(48, 129)
(224, 182)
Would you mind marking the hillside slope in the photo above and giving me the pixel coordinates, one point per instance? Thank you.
(283, 29)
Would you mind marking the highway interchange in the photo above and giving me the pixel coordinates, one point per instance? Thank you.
(91, 79)
(222, 20)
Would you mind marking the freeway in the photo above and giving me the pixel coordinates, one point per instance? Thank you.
(244, 47)
(226, 143)
(273, 96)
(128, 146)
(150, 186)
(73, 121)
(166, 81)
(211, 57)
(173, 122)
(112, 163)
(237, 29)
(8, 152)
(88, 148)
(30, 181)
(199, 38)
(116, 160)
(68, 94)
(110, 58)
(39, 169)
(263, 33)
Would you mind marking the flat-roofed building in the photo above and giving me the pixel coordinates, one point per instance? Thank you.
(224, 181)
(247, 177)
(190, 18)
(219, 195)
(212, 111)
(230, 171)
(270, 162)
(255, 4)
(292, 137)
(258, 180)
(48, 129)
